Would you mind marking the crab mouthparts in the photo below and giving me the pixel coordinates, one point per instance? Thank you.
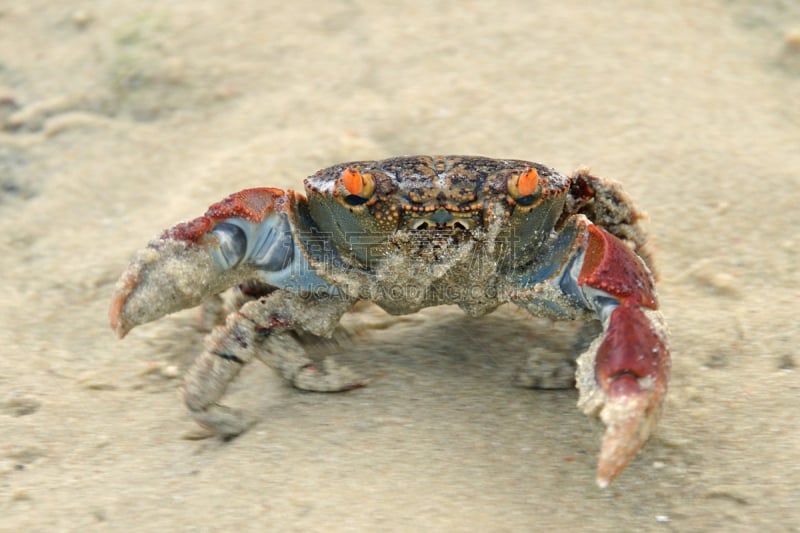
(442, 219)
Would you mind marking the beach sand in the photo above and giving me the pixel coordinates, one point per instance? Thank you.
(119, 119)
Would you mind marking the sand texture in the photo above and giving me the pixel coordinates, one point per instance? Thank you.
(119, 119)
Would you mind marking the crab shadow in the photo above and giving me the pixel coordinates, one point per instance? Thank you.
(444, 343)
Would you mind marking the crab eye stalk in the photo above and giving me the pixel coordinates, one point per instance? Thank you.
(357, 187)
(523, 188)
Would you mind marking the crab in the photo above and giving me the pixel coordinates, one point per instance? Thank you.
(407, 233)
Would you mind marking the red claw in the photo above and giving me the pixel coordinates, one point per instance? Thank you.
(631, 348)
(631, 364)
(249, 204)
(609, 265)
(177, 270)
(632, 367)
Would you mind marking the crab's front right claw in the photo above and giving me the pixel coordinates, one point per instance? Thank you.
(246, 235)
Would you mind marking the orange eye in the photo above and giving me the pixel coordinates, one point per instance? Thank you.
(359, 186)
(528, 182)
(352, 181)
(521, 186)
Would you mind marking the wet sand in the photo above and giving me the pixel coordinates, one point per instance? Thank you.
(118, 121)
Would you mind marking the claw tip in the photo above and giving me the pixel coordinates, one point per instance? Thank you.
(114, 318)
(608, 470)
(629, 423)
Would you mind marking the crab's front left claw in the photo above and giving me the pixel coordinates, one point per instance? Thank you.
(246, 235)
(623, 376)
(631, 367)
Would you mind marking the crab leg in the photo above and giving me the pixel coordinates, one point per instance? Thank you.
(261, 329)
(623, 376)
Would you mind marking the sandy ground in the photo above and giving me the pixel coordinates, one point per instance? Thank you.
(119, 119)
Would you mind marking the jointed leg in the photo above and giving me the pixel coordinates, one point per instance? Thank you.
(262, 328)
(227, 349)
